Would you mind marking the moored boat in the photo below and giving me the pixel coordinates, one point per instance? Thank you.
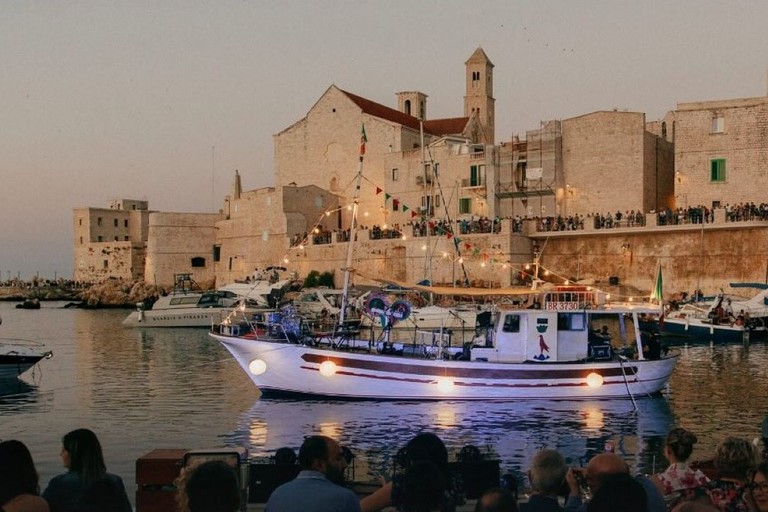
(527, 354)
(723, 319)
(18, 356)
(189, 307)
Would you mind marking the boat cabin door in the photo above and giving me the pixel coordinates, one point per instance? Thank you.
(542, 336)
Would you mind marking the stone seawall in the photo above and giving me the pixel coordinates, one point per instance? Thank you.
(708, 256)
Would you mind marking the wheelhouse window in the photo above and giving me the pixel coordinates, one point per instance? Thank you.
(717, 170)
(511, 323)
(571, 322)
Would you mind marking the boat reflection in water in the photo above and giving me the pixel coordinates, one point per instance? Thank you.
(511, 431)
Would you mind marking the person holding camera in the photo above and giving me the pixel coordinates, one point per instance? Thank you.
(599, 470)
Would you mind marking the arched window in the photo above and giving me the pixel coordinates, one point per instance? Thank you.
(407, 107)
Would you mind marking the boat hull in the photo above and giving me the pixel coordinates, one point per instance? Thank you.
(13, 365)
(192, 318)
(284, 368)
(188, 317)
(693, 332)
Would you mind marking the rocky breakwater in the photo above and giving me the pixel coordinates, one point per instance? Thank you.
(115, 293)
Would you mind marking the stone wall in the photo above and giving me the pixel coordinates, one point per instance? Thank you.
(180, 243)
(742, 143)
(97, 261)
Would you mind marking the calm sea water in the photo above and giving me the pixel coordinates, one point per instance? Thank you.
(175, 388)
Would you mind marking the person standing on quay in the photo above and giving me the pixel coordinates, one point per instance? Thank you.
(86, 485)
(318, 487)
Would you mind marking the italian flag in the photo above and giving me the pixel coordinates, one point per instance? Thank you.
(363, 139)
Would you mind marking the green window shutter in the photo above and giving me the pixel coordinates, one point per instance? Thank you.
(717, 169)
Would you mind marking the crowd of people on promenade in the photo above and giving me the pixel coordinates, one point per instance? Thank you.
(736, 480)
(422, 227)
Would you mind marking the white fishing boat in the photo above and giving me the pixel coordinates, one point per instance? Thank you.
(528, 354)
(544, 353)
(187, 306)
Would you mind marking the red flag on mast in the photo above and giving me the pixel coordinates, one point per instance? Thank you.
(363, 139)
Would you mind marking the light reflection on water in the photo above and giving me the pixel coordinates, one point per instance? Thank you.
(175, 388)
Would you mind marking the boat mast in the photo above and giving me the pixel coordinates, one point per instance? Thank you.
(352, 229)
(427, 204)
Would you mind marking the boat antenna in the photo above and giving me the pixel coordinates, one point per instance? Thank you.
(352, 229)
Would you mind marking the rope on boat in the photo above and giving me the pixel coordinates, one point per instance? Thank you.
(626, 383)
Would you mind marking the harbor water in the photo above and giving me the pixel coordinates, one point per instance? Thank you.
(176, 388)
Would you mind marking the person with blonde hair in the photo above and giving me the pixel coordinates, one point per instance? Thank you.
(735, 458)
(209, 486)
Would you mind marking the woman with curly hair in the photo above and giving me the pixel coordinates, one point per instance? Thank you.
(734, 460)
(19, 489)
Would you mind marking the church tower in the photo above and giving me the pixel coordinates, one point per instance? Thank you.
(413, 103)
(479, 99)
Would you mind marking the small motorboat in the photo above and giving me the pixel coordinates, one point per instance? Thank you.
(29, 304)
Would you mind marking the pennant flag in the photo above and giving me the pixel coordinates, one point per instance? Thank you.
(363, 139)
(414, 214)
(449, 236)
(378, 191)
(386, 197)
(395, 205)
(405, 207)
(658, 289)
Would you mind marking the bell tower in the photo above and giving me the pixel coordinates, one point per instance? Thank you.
(413, 103)
(479, 100)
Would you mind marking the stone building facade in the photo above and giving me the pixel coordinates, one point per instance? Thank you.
(181, 243)
(110, 242)
(419, 169)
(721, 151)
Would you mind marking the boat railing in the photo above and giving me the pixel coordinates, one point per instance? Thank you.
(570, 299)
(432, 338)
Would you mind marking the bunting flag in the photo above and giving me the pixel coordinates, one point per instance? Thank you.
(363, 139)
(378, 191)
(658, 293)
(395, 205)
(414, 214)
(449, 236)
(405, 208)
(386, 196)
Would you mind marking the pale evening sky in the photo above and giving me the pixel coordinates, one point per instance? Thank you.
(105, 99)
